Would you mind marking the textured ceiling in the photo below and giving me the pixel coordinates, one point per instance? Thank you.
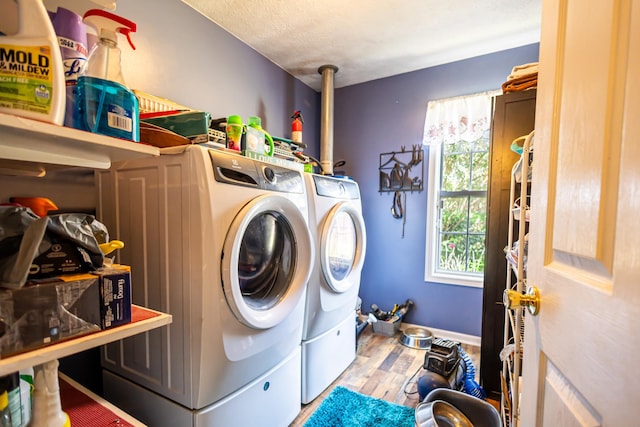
(372, 39)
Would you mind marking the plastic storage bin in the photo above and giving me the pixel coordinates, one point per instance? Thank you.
(387, 327)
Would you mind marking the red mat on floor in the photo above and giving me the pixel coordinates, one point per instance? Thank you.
(84, 411)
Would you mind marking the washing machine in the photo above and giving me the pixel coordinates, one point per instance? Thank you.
(338, 230)
(222, 243)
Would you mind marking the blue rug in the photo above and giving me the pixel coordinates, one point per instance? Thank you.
(346, 408)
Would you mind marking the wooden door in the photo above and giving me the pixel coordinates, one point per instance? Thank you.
(581, 352)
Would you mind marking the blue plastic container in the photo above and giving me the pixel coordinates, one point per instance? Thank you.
(108, 108)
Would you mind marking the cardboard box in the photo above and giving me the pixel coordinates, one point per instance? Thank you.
(46, 311)
(115, 296)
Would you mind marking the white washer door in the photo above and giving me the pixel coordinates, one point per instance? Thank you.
(266, 261)
(342, 246)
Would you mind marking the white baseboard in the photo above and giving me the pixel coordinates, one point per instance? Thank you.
(450, 335)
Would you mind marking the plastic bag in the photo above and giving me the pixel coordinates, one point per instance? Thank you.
(34, 247)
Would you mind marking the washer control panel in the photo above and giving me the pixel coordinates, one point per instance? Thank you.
(235, 169)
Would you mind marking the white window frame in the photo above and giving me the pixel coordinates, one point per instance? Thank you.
(433, 201)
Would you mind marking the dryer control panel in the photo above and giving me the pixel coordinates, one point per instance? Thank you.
(337, 188)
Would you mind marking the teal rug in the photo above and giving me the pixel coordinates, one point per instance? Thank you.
(346, 408)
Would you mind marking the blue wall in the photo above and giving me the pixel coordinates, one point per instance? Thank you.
(382, 116)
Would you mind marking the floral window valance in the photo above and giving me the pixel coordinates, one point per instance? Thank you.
(464, 118)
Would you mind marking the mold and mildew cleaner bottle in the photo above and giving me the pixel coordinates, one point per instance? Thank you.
(32, 81)
(105, 104)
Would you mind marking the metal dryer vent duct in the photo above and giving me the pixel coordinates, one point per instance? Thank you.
(326, 118)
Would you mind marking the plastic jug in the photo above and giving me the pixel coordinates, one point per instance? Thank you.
(31, 76)
(258, 139)
(105, 104)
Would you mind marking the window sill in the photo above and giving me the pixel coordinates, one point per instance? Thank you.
(452, 279)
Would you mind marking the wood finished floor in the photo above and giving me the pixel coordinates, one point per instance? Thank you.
(383, 369)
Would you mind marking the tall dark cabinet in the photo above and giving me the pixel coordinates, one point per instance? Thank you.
(514, 116)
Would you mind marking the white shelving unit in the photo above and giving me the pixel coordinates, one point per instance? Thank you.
(84, 342)
(516, 253)
(30, 148)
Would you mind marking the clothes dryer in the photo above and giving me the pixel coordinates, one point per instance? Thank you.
(222, 243)
(338, 230)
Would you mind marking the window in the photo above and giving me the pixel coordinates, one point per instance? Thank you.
(457, 133)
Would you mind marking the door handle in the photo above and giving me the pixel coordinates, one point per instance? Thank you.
(531, 300)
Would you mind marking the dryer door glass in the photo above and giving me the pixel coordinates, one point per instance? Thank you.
(266, 261)
(341, 247)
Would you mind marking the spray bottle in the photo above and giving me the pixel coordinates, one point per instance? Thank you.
(105, 104)
(31, 74)
(47, 408)
(296, 126)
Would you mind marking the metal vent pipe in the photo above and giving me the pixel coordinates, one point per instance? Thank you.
(326, 118)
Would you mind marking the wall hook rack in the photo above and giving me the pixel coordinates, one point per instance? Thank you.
(402, 170)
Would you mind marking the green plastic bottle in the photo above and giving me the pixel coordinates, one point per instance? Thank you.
(263, 144)
(235, 130)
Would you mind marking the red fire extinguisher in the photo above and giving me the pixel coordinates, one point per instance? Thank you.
(296, 126)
